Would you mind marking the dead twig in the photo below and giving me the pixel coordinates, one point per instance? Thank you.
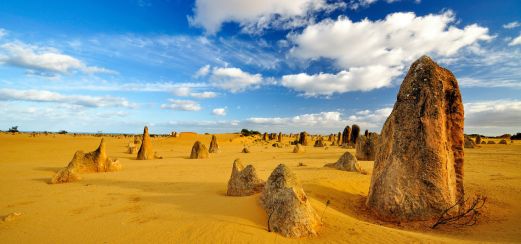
(467, 214)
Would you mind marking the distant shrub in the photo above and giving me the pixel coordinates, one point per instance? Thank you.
(246, 132)
(516, 136)
(63, 132)
(13, 129)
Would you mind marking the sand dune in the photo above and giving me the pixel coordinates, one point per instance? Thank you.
(178, 200)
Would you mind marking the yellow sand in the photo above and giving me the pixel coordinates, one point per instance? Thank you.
(181, 200)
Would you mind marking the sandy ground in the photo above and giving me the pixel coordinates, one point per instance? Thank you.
(179, 200)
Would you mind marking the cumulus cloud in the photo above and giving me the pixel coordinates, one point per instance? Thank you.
(385, 46)
(186, 91)
(254, 16)
(234, 79)
(7, 94)
(182, 105)
(512, 25)
(44, 59)
(516, 41)
(219, 111)
(356, 79)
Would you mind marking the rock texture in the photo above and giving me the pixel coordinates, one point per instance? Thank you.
(199, 151)
(366, 147)
(96, 161)
(304, 138)
(418, 170)
(298, 149)
(244, 181)
(287, 206)
(214, 148)
(146, 151)
(346, 162)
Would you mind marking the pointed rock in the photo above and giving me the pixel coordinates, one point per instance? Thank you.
(244, 181)
(346, 162)
(287, 206)
(418, 170)
(199, 151)
(214, 148)
(146, 152)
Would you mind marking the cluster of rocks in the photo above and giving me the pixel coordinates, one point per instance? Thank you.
(282, 197)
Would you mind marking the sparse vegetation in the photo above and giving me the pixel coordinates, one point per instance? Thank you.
(13, 129)
(63, 132)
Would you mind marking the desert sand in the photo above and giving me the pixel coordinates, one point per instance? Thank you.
(182, 200)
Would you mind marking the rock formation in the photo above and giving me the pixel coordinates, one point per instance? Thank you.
(346, 136)
(214, 148)
(146, 152)
(491, 142)
(319, 143)
(503, 141)
(131, 148)
(346, 162)
(478, 139)
(298, 149)
(199, 151)
(279, 138)
(245, 150)
(366, 147)
(469, 143)
(265, 136)
(287, 206)
(418, 170)
(304, 138)
(339, 139)
(355, 133)
(96, 161)
(244, 181)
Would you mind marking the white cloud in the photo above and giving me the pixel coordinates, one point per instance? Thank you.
(515, 41)
(360, 48)
(254, 16)
(512, 25)
(206, 94)
(219, 111)
(203, 71)
(356, 79)
(44, 59)
(503, 115)
(186, 91)
(7, 94)
(183, 105)
(234, 79)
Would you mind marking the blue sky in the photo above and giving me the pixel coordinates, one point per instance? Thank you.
(272, 65)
